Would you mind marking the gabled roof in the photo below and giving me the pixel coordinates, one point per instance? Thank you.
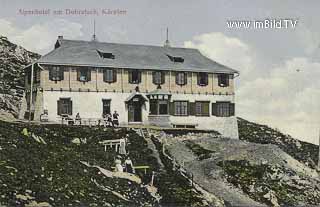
(86, 53)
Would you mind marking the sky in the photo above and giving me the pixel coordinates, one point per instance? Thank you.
(279, 66)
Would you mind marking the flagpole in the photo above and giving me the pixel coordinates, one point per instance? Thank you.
(31, 91)
(319, 152)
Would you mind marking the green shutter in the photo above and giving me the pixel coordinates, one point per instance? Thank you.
(198, 78)
(88, 74)
(50, 73)
(214, 109)
(192, 108)
(59, 107)
(130, 76)
(139, 76)
(177, 79)
(185, 78)
(206, 80)
(205, 108)
(154, 77)
(171, 106)
(232, 109)
(78, 73)
(163, 77)
(114, 73)
(70, 107)
(61, 73)
(104, 75)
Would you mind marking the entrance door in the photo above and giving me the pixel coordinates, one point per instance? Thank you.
(134, 111)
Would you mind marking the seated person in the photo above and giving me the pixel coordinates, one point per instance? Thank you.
(78, 118)
(44, 116)
(115, 117)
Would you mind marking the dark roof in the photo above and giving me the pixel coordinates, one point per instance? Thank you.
(88, 53)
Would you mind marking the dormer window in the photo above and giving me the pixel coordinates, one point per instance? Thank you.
(202, 79)
(108, 55)
(223, 80)
(84, 74)
(175, 59)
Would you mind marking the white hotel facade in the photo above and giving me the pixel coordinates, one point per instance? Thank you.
(148, 85)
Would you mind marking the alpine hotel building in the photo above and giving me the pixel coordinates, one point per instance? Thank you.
(149, 85)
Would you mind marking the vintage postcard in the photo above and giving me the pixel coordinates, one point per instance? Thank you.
(159, 103)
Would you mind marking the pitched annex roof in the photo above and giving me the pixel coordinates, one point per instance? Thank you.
(88, 53)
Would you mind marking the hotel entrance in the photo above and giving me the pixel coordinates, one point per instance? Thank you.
(135, 110)
(135, 103)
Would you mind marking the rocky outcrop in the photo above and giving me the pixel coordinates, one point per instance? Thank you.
(13, 59)
(246, 174)
(262, 134)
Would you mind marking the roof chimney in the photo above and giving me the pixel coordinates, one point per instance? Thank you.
(167, 43)
(60, 37)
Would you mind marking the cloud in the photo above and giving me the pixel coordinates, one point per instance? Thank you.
(40, 37)
(287, 97)
(226, 50)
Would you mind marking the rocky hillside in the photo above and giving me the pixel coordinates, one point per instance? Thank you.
(66, 166)
(257, 133)
(12, 60)
(264, 168)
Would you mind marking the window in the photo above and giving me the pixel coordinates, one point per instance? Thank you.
(84, 74)
(176, 59)
(181, 108)
(223, 80)
(64, 106)
(202, 79)
(109, 75)
(223, 109)
(56, 73)
(106, 103)
(153, 107)
(159, 107)
(181, 78)
(134, 76)
(202, 108)
(158, 77)
(108, 55)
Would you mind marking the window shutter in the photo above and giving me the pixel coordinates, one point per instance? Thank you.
(104, 75)
(227, 80)
(206, 79)
(198, 79)
(171, 108)
(114, 73)
(205, 109)
(185, 78)
(177, 78)
(88, 74)
(61, 73)
(130, 75)
(192, 108)
(139, 76)
(70, 107)
(163, 77)
(232, 109)
(37, 76)
(154, 77)
(50, 73)
(78, 74)
(214, 109)
(59, 107)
